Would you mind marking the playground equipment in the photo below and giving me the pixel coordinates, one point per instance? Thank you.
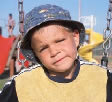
(107, 36)
(5, 48)
(93, 40)
(11, 43)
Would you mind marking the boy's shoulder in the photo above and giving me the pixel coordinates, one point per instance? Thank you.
(8, 93)
(28, 73)
(93, 70)
(26, 76)
(92, 65)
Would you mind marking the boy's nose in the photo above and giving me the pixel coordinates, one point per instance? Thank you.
(53, 50)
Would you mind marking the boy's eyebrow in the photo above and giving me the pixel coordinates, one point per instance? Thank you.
(46, 45)
(43, 45)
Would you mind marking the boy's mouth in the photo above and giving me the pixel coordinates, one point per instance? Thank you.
(59, 60)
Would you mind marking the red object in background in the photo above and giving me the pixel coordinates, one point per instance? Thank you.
(26, 64)
(5, 47)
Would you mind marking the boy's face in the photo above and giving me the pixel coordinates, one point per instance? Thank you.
(56, 48)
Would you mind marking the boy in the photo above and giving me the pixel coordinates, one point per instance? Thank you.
(51, 40)
(11, 25)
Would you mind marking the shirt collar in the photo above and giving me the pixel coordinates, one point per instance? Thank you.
(63, 80)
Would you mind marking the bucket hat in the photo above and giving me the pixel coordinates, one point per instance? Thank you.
(43, 14)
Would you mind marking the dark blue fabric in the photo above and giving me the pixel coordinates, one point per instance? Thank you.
(109, 87)
(9, 93)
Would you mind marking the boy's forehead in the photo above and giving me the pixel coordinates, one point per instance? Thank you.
(54, 31)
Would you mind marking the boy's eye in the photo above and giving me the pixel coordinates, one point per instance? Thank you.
(43, 48)
(60, 40)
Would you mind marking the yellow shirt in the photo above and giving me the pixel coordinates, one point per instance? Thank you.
(89, 86)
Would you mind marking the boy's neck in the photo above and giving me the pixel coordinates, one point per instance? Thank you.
(66, 75)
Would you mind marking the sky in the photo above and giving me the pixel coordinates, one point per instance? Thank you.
(97, 8)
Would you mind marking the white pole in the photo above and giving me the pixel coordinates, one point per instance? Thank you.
(91, 21)
(79, 9)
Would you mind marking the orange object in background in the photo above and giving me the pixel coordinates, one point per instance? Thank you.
(5, 47)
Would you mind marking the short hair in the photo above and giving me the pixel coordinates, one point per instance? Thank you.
(10, 14)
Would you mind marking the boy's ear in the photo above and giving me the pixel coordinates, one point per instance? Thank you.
(76, 37)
